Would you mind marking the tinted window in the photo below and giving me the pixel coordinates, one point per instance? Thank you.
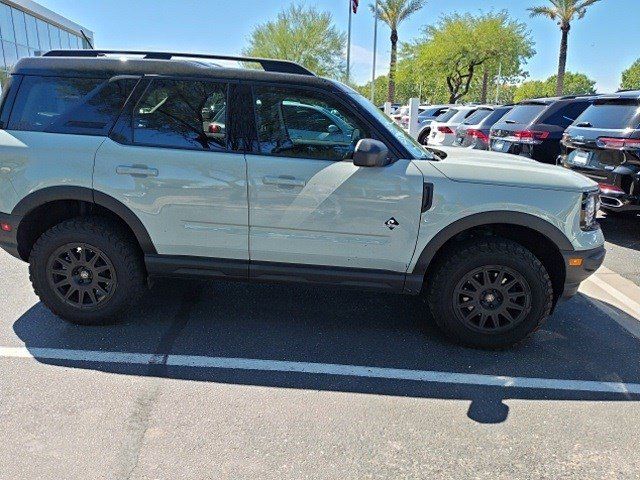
(32, 32)
(524, 114)
(614, 115)
(42, 101)
(20, 26)
(477, 116)
(294, 123)
(6, 23)
(566, 115)
(446, 116)
(98, 111)
(43, 35)
(182, 114)
(496, 115)
(461, 115)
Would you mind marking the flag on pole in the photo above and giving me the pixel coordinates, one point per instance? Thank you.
(354, 5)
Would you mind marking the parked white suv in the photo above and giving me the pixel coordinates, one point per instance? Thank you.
(112, 172)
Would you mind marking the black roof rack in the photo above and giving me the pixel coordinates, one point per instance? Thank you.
(268, 65)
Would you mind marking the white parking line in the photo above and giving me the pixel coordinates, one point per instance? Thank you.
(191, 361)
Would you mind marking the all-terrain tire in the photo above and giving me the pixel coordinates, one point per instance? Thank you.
(460, 286)
(96, 248)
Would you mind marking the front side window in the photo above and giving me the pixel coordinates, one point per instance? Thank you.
(297, 123)
(182, 114)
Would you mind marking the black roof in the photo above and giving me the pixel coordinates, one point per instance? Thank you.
(110, 66)
(551, 100)
(633, 94)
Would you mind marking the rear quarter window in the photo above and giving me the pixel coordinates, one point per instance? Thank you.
(83, 106)
(611, 115)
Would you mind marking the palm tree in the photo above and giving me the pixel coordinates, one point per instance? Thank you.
(393, 13)
(564, 12)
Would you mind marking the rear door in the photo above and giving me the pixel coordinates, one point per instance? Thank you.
(309, 204)
(171, 161)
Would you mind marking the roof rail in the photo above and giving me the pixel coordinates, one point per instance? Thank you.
(269, 65)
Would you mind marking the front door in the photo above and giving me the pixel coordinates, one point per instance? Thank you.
(171, 163)
(309, 204)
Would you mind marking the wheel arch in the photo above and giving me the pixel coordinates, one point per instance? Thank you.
(46, 207)
(542, 238)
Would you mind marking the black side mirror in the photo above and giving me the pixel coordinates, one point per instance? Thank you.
(371, 153)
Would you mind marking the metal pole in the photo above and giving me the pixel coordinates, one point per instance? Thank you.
(375, 53)
(498, 84)
(349, 41)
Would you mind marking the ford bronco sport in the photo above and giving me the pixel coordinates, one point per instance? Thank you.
(117, 167)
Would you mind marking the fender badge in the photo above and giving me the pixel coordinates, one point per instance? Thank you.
(392, 223)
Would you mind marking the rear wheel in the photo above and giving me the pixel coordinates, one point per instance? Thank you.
(489, 293)
(87, 270)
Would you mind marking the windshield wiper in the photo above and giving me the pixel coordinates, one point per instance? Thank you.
(510, 121)
(584, 125)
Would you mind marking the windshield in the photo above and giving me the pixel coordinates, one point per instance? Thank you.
(524, 114)
(415, 149)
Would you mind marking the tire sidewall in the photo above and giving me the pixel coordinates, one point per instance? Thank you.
(540, 303)
(39, 260)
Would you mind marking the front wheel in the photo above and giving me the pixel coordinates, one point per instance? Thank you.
(489, 293)
(87, 270)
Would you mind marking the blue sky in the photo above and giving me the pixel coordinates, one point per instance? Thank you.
(604, 43)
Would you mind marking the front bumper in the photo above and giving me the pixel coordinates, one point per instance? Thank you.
(9, 240)
(589, 261)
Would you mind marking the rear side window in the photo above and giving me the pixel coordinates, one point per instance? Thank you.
(78, 106)
(525, 113)
(566, 115)
(612, 115)
(183, 114)
(41, 101)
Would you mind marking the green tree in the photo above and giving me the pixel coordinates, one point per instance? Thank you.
(304, 35)
(393, 13)
(564, 12)
(631, 77)
(575, 84)
(463, 53)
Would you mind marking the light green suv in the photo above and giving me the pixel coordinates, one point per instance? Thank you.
(116, 167)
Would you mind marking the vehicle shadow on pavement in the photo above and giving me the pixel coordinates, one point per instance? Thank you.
(317, 325)
(621, 230)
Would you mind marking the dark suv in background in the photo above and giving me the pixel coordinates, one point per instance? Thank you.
(604, 144)
(534, 128)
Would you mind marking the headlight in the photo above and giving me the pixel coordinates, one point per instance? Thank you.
(590, 207)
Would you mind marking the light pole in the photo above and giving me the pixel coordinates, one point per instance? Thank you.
(375, 53)
(349, 40)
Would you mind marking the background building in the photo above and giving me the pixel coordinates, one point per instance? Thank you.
(29, 29)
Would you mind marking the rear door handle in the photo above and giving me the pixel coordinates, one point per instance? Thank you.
(283, 181)
(136, 171)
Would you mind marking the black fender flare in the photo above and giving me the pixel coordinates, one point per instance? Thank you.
(487, 218)
(89, 195)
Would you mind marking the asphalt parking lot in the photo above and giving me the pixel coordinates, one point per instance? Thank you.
(217, 380)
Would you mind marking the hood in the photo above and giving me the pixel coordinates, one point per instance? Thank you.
(477, 166)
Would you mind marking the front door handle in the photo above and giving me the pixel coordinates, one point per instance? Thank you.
(283, 181)
(136, 171)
